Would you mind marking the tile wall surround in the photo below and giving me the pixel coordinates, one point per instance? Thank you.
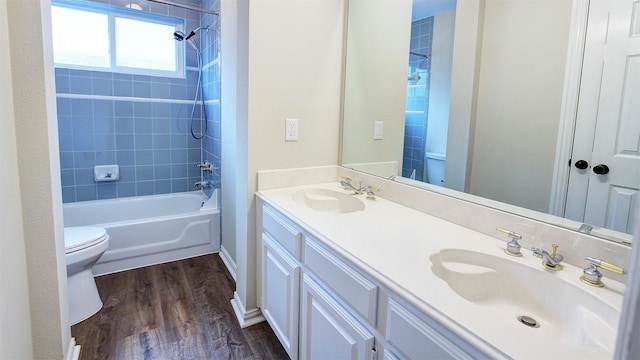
(212, 142)
(141, 123)
(415, 129)
(573, 245)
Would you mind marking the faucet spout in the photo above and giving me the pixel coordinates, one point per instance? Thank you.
(550, 260)
(205, 184)
(345, 182)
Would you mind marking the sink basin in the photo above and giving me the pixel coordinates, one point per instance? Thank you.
(326, 200)
(505, 290)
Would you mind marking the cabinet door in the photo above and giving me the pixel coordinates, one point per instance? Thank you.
(328, 331)
(280, 293)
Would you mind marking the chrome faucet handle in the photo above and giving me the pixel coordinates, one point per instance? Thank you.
(513, 247)
(592, 275)
(205, 166)
(371, 192)
(345, 182)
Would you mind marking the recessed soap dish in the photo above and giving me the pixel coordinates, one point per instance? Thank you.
(106, 173)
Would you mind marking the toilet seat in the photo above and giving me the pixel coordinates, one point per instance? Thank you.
(82, 237)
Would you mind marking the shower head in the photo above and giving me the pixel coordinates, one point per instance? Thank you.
(179, 36)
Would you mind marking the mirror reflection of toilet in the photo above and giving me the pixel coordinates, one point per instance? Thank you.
(435, 168)
(83, 247)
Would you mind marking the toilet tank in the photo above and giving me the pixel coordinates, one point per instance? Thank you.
(435, 168)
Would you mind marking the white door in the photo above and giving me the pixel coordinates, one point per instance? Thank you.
(327, 330)
(605, 173)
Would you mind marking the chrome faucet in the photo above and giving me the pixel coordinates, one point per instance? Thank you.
(205, 166)
(513, 247)
(551, 261)
(205, 184)
(371, 192)
(345, 182)
(592, 275)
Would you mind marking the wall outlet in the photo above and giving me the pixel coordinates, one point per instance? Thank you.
(377, 130)
(291, 130)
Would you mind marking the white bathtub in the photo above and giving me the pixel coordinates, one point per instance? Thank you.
(149, 230)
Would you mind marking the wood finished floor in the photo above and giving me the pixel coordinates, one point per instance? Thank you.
(177, 310)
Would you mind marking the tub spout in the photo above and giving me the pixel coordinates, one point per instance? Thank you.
(205, 184)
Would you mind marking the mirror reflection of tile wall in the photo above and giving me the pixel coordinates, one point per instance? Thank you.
(415, 130)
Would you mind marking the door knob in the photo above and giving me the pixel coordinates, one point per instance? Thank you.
(581, 164)
(601, 169)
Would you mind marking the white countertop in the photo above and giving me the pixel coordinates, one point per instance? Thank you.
(394, 244)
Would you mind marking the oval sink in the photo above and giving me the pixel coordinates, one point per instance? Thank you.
(505, 290)
(330, 201)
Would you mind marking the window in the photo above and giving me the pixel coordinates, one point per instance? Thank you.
(96, 37)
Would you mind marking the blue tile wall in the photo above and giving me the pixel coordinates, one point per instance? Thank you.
(141, 123)
(415, 131)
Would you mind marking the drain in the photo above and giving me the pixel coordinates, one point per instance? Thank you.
(529, 321)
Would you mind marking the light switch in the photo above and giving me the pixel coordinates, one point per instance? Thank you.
(291, 130)
(377, 130)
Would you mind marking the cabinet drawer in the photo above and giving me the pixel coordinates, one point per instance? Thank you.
(416, 339)
(353, 288)
(282, 231)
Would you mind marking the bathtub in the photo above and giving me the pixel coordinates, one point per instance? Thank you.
(152, 229)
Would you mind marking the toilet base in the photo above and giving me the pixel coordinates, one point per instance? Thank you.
(84, 300)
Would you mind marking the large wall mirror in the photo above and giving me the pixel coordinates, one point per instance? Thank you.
(503, 102)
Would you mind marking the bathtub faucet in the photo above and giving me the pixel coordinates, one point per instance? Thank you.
(205, 184)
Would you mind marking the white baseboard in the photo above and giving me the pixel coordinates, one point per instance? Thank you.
(228, 262)
(245, 318)
(73, 350)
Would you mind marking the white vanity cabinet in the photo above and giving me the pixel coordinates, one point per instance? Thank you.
(321, 306)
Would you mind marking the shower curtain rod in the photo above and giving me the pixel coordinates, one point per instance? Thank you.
(184, 6)
(413, 53)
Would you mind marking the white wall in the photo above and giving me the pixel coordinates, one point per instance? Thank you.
(507, 52)
(37, 231)
(289, 65)
(15, 318)
(377, 57)
(234, 77)
(467, 47)
(519, 98)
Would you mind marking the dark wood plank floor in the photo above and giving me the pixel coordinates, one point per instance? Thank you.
(177, 310)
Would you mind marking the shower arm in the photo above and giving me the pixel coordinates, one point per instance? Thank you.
(418, 54)
(193, 32)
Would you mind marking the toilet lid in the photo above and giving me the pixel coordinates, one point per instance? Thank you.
(77, 238)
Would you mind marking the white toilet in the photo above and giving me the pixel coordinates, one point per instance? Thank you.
(83, 247)
(435, 168)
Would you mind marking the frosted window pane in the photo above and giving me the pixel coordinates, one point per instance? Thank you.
(142, 44)
(80, 37)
